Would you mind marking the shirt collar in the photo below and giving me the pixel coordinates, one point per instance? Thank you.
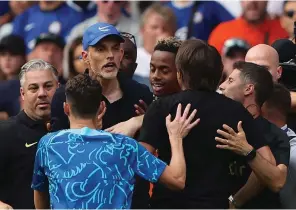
(25, 119)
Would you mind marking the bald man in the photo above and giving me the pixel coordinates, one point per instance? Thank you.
(266, 56)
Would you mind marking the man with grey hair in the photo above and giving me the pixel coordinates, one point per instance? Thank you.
(20, 134)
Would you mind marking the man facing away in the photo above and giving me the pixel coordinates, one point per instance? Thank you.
(83, 167)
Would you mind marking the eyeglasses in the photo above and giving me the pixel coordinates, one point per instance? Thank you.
(290, 13)
(129, 36)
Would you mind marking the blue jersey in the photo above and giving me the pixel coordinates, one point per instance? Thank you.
(34, 22)
(90, 169)
(207, 16)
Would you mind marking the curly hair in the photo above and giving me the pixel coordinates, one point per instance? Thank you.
(169, 44)
(84, 95)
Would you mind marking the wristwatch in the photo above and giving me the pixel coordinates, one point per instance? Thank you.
(231, 199)
(250, 155)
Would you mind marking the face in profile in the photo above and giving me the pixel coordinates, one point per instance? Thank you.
(163, 73)
(37, 91)
(79, 65)
(104, 58)
(233, 86)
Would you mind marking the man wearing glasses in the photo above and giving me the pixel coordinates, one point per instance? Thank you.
(288, 17)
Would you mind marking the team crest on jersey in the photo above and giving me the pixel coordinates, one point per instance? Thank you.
(198, 17)
(55, 27)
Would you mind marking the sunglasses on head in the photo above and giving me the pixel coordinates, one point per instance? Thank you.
(129, 36)
(290, 13)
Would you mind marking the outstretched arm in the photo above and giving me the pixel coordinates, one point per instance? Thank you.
(263, 164)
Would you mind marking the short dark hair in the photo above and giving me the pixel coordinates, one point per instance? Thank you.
(169, 44)
(280, 99)
(84, 95)
(257, 75)
(199, 64)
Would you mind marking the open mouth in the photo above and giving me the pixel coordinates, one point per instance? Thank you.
(109, 66)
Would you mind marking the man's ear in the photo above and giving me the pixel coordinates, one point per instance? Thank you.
(279, 72)
(22, 93)
(85, 57)
(66, 109)
(249, 89)
(121, 53)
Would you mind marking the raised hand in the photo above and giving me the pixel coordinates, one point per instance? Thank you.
(182, 124)
(236, 142)
(141, 108)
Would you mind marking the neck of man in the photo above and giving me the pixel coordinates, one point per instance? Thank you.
(259, 21)
(182, 3)
(148, 48)
(276, 118)
(34, 118)
(253, 108)
(81, 123)
(113, 21)
(111, 89)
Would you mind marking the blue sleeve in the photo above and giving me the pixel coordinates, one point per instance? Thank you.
(221, 13)
(39, 181)
(19, 23)
(144, 164)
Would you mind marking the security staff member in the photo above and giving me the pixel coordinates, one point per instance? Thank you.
(19, 135)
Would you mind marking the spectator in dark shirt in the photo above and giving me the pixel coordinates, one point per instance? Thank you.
(251, 85)
(20, 134)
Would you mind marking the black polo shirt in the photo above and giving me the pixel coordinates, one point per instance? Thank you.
(18, 144)
(118, 111)
(209, 176)
(278, 141)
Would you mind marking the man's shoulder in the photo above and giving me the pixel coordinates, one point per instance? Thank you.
(225, 26)
(133, 87)
(222, 101)
(79, 29)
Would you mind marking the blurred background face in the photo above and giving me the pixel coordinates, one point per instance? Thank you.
(128, 63)
(49, 5)
(267, 62)
(163, 73)
(78, 63)
(51, 53)
(110, 11)
(228, 61)
(288, 17)
(18, 7)
(10, 64)
(155, 27)
(254, 11)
